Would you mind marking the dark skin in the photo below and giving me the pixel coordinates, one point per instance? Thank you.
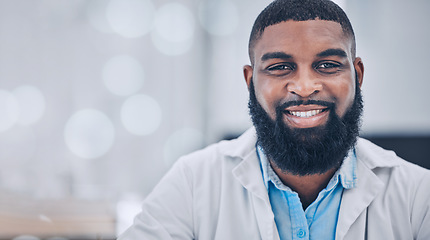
(300, 61)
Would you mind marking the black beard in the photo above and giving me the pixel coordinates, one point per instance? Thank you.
(311, 150)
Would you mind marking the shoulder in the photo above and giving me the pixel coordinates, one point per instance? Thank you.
(230, 152)
(209, 166)
(406, 187)
(401, 178)
(376, 158)
(403, 181)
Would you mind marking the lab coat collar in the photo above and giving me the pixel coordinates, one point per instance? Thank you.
(356, 200)
(374, 156)
(248, 173)
(243, 145)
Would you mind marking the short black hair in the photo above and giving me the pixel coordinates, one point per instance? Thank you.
(299, 10)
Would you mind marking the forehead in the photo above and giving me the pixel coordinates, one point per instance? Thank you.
(302, 37)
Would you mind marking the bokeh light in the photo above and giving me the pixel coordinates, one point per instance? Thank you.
(174, 28)
(31, 103)
(141, 114)
(89, 133)
(9, 110)
(181, 142)
(123, 75)
(130, 18)
(218, 17)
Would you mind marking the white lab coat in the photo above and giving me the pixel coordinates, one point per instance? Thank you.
(218, 193)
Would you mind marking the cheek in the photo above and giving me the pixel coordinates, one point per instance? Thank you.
(267, 96)
(345, 98)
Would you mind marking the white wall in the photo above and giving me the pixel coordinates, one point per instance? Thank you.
(393, 39)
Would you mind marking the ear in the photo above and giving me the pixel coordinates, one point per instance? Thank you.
(359, 69)
(247, 73)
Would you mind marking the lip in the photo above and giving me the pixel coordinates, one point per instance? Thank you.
(306, 121)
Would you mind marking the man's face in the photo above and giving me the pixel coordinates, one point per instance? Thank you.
(305, 100)
(305, 69)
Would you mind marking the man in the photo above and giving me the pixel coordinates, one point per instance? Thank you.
(302, 172)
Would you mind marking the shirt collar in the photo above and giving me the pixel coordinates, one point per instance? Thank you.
(347, 173)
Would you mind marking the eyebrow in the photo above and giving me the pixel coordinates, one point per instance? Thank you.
(332, 52)
(275, 55)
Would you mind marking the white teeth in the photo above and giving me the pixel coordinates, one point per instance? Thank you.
(307, 113)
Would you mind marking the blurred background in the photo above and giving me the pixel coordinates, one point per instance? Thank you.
(98, 98)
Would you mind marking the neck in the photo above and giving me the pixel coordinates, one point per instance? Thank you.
(308, 186)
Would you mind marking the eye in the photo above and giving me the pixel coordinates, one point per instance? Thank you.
(281, 68)
(328, 67)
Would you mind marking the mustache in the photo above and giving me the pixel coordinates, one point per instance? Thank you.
(305, 102)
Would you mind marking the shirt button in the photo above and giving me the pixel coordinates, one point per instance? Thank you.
(301, 233)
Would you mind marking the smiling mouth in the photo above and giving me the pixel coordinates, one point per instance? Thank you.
(306, 114)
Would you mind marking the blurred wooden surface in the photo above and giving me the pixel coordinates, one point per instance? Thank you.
(65, 218)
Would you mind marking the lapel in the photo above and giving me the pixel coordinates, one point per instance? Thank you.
(248, 173)
(355, 201)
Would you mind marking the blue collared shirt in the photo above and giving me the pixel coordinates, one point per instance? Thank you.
(319, 220)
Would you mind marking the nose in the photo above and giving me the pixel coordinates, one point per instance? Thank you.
(304, 85)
